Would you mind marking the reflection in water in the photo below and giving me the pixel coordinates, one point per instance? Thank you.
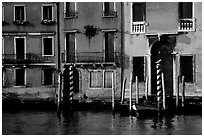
(96, 123)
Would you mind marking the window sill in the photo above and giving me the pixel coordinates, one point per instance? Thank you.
(48, 55)
(20, 22)
(47, 22)
(109, 16)
(19, 86)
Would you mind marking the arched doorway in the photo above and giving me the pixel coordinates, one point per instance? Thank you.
(162, 50)
(67, 81)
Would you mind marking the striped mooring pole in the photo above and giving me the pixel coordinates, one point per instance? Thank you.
(71, 85)
(159, 85)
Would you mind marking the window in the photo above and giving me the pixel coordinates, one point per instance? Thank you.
(19, 13)
(70, 47)
(109, 9)
(138, 69)
(48, 49)
(47, 77)
(109, 46)
(138, 17)
(186, 20)
(108, 79)
(185, 10)
(20, 48)
(47, 12)
(70, 10)
(20, 77)
(96, 79)
(187, 68)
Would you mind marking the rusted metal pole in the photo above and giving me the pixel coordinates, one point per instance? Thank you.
(130, 95)
(123, 91)
(177, 95)
(183, 91)
(164, 93)
(137, 89)
(113, 94)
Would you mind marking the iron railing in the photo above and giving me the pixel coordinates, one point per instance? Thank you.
(26, 58)
(109, 13)
(92, 57)
(186, 24)
(70, 14)
(138, 27)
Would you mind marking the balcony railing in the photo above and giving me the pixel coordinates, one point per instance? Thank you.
(138, 27)
(186, 24)
(91, 57)
(26, 58)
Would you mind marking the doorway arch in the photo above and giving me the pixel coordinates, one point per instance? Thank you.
(162, 49)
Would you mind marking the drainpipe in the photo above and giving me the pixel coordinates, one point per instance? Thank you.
(122, 43)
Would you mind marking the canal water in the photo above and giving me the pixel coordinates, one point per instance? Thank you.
(29, 122)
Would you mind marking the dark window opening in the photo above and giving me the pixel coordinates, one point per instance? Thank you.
(185, 10)
(108, 79)
(47, 12)
(186, 68)
(47, 43)
(138, 12)
(48, 76)
(109, 9)
(20, 49)
(20, 77)
(109, 47)
(19, 13)
(138, 69)
(70, 47)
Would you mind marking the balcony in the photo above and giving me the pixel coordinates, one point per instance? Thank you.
(186, 25)
(26, 59)
(92, 58)
(138, 27)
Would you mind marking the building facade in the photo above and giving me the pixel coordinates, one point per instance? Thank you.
(166, 31)
(29, 47)
(100, 44)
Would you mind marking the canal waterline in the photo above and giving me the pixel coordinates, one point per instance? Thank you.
(92, 122)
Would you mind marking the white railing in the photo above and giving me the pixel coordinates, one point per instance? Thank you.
(138, 27)
(186, 25)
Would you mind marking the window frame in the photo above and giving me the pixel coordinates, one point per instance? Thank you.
(44, 5)
(75, 41)
(43, 77)
(3, 12)
(104, 41)
(75, 10)
(138, 22)
(193, 68)
(114, 10)
(52, 46)
(90, 79)
(15, 12)
(15, 46)
(193, 18)
(24, 77)
(144, 69)
(112, 78)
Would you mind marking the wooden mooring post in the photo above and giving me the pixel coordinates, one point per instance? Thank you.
(164, 92)
(146, 89)
(177, 95)
(113, 94)
(130, 95)
(59, 91)
(123, 91)
(183, 91)
(137, 90)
